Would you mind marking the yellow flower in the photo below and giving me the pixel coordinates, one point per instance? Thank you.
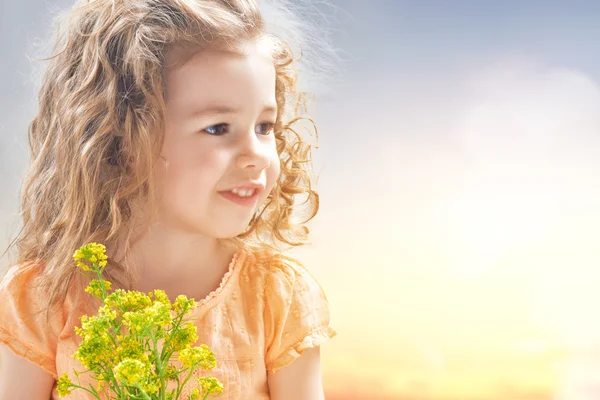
(63, 385)
(95, 287)
(210, 385)
(91, 252)
(130, 348)
(128, 300)
(183, 337)
(195, 395)
(95, 350)
(160, 314)
(108, 312)
(153, 385)
(96, 347)
(118, 342)
(83, 266)
(183, 305)
(132, 371)
(198, 355)
(155, 317)
(161, 297)
(171, 372)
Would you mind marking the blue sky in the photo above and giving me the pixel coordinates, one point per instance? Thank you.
(431, 36)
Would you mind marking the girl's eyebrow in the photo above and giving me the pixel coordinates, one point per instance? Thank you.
(220, 110)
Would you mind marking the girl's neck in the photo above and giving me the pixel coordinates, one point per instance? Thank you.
(179, 263)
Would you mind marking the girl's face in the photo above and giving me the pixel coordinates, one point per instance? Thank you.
(221, 110)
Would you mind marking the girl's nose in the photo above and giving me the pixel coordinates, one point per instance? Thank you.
(254, 153)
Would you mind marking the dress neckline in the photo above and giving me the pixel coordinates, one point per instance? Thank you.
(235, 264)
(237, 261)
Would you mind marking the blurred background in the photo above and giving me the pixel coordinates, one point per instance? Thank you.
(458, 173)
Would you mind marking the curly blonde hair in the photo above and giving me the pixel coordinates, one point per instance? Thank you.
(97, 135)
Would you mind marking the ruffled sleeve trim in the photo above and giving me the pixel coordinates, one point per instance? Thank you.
(313, 339)
(28, 352)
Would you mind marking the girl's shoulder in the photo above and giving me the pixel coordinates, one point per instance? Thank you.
(23, 299)
(20, 280)
(14, 270)
(296, 310)
(23, 326)
(271, 266)
(282, 277)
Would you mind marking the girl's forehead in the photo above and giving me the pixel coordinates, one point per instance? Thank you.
(220, 74)
(178, 55)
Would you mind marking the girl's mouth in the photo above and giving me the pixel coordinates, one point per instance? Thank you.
(241, 200)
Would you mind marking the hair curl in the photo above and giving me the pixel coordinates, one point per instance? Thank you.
(97, 134)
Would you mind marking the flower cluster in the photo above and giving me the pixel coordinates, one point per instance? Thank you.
(128, 344)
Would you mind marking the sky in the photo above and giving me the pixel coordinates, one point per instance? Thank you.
(457, 171)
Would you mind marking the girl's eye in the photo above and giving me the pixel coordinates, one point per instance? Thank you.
(267, 128)
(220, 129)
(216, 130)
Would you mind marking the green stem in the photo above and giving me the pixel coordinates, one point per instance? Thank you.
(159, 368)
(94, 390)
(99, 274)
(179, 389)
(87, 390)
(178, 383)
(144, 394)
(174, 326)
(102, 369)
(113, 383)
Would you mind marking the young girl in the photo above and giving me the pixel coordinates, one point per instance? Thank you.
(166, 132)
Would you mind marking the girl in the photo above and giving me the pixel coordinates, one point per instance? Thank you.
(166, 131)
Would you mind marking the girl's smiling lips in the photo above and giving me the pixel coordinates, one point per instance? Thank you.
(257, 186)
(244, 200)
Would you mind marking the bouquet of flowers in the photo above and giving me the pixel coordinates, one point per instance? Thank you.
(127, 346)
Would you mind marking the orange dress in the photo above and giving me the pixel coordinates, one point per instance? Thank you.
(266, 311)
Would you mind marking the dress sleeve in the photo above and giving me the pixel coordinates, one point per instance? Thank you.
(23, 328)
(296, 313)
